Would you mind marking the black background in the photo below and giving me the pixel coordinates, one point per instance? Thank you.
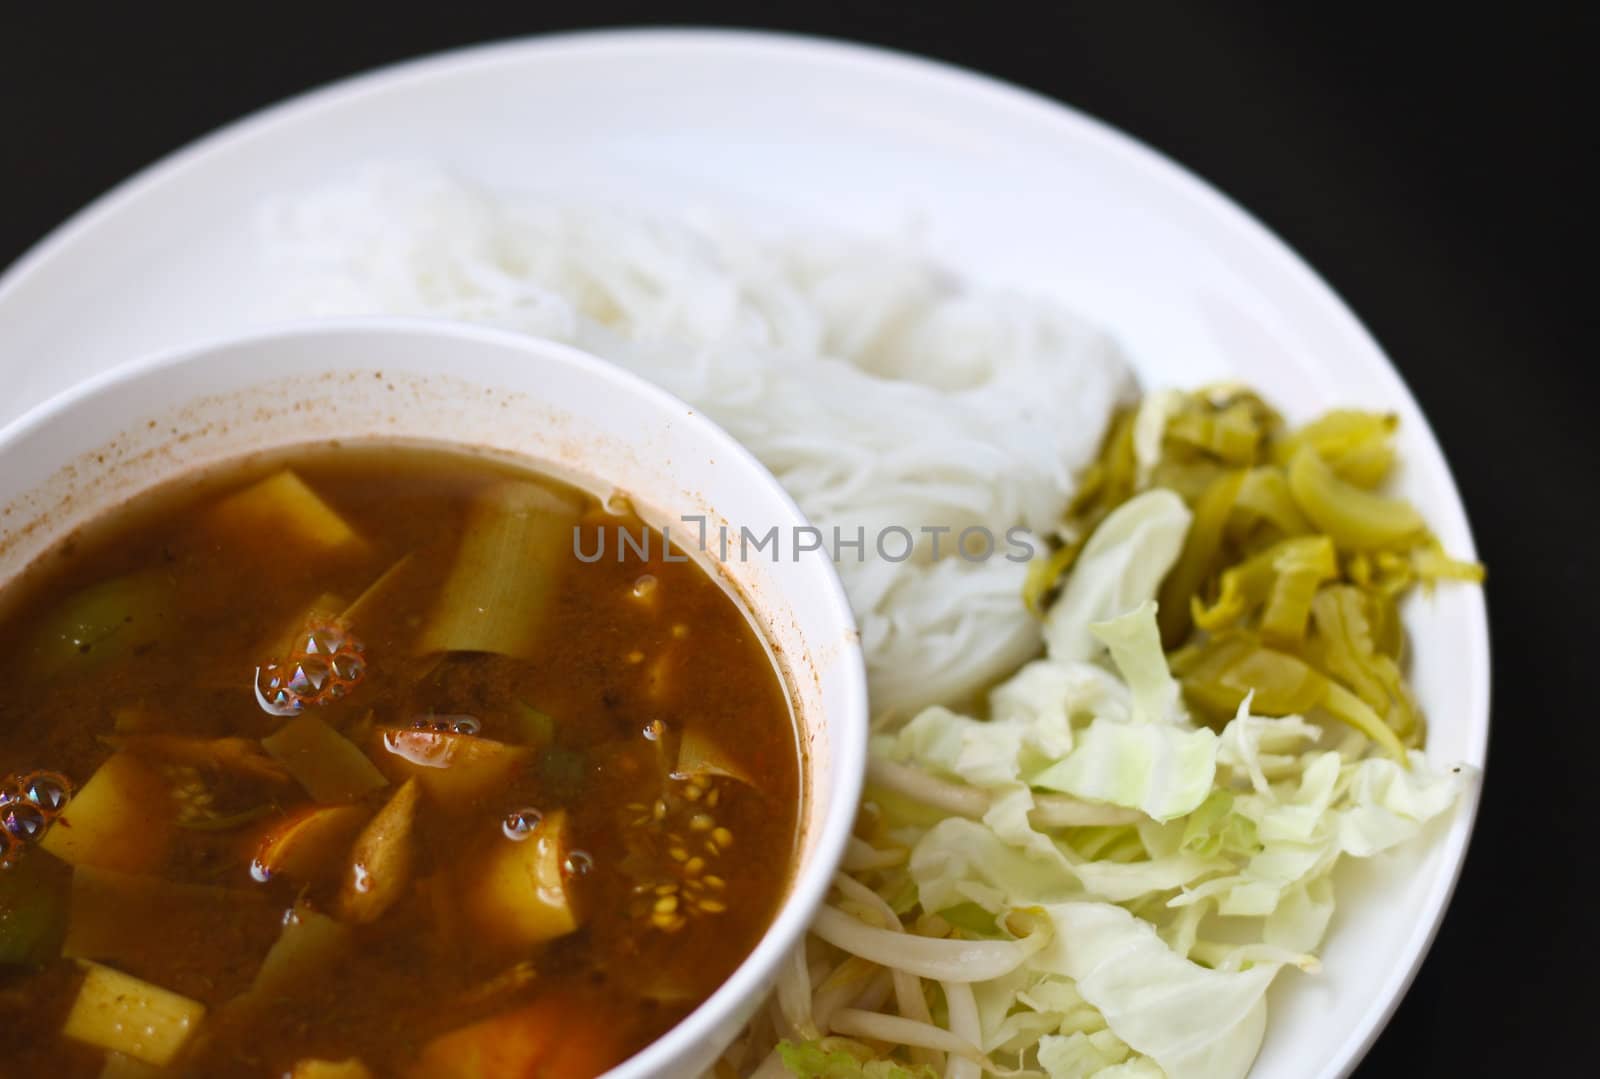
(1423, 159)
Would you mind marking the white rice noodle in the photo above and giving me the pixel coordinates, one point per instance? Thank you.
(880, 391)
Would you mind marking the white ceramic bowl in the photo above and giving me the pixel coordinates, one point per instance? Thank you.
(89, 449)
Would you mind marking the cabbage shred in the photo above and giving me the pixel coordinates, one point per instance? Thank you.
(1039, 889)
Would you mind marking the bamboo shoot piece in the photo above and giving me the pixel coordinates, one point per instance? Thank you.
(554, 1038)
(122, 918)
(454, 770)
(122, 1066)
(310, 944)
(381, 861)
(700, 756)
(328, 765)
(516, 545)
(306, 845)
(378, 592)
(121, 1014)
(279, 646)
(122, 819)
(533, 728)
(281, 511)
(330, 1069)
(237, 756)
(518, 895)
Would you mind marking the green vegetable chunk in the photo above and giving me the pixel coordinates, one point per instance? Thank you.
(33, 912)
(533, 727)
(105, 621)
(838, 1058)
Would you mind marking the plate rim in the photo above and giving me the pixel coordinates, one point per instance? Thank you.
(998, 93)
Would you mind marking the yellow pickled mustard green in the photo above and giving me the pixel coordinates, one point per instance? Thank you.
(1200, 549)
(1291, 573)
(1357, 520)
(1358, 446)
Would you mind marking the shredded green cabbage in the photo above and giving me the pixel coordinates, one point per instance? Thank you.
(833, 1058)
(1084, 881)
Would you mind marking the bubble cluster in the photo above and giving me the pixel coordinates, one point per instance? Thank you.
(325, 663)
(448, 724)
(24, 820)
(50, 791)
(29, 803)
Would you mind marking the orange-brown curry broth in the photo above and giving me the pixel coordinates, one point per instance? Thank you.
(609, 664)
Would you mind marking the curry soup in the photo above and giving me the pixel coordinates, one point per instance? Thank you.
(346, 756)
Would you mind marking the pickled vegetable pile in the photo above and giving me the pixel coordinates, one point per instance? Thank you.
(342, 764)
(1289, 580)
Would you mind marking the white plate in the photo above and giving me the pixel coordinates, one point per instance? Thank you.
(1010, 187)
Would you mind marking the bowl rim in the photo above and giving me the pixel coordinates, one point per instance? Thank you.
(848, 726)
